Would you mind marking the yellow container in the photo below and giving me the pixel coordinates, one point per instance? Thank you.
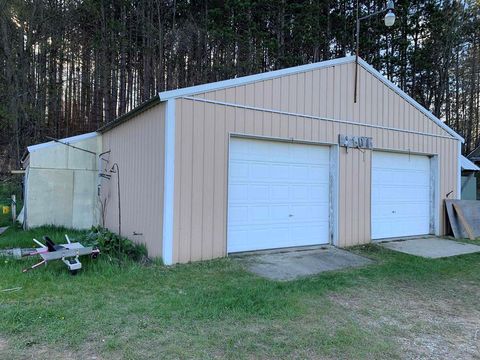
(5, 209)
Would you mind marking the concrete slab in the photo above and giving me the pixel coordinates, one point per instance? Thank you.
(432, 248)
(290, 265)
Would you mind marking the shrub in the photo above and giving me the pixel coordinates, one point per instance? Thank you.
(114, 245)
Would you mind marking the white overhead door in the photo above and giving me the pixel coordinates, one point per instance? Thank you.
(400, 195)
(278, 195)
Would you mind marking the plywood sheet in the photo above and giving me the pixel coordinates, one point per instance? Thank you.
(464, 218)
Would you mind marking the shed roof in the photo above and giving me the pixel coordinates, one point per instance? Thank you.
(69, 140)
(474, 154)
(467, 164)
(192, 90)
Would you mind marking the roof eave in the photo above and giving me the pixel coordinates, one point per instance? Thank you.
(139, 109)
(466, 164)
(193, 90)
(68, 140)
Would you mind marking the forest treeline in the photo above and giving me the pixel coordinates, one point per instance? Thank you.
(69, 66)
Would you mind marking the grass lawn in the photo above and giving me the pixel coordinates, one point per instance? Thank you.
(15, 237)
(400, 307)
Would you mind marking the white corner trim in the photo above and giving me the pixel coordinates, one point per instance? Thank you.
(435, 196)
(408, 98)
(334, 193)
(192, 90)
(459, 171)
(168, 183)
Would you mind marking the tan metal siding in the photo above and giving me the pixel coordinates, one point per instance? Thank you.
(335, 83)
(202, 136)
(137, 146)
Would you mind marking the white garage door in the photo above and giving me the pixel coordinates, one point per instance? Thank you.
(278, 195)
(400, 195)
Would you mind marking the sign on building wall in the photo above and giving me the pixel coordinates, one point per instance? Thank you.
(357, 142)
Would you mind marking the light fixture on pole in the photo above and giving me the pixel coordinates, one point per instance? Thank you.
(389, 21)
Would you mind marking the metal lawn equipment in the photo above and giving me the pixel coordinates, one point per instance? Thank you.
(68, 253)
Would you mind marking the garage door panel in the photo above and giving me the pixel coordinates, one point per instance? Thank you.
(401, 178)
(307, 235)
(401, 195)
(280, 212)
(261, 171)
(238, 214)
(415, 228)
(317, 192)
(258, 193)
(260, 237)
(239, 171)
(385, 211)
(259, 214)
(307, 154)
(309, 212)
(319, 172)
(238, 193)
(299, 173)
(279, 192)
(401, 161)
(279, 195)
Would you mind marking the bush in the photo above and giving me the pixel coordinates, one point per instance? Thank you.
(113, 245)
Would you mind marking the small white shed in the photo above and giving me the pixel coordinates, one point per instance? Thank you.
(60, 185)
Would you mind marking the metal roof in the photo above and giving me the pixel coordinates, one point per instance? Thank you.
(132, 113)
(467, 164)
(192, 90)
(69, 140)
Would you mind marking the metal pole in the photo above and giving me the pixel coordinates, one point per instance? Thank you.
(115, 169)
(356, 55)
(14, 208)
(70, 145)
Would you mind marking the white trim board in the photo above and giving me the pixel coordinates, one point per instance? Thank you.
(168, 183)
(459, 171)
(334, 195)
(192, 90)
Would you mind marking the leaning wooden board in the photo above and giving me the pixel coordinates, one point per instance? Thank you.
(464, 217)
(457, 228)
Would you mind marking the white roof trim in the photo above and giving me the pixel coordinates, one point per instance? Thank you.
(192, 90)
(467, 164)
(409, 99)
(69, 140)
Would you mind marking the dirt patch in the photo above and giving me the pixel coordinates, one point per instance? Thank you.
(3, 344)
(434, 323)
(50, 352)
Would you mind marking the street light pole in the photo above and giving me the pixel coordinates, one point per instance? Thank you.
(389, 21)
(356, 54)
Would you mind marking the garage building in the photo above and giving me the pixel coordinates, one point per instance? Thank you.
(279, 159)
